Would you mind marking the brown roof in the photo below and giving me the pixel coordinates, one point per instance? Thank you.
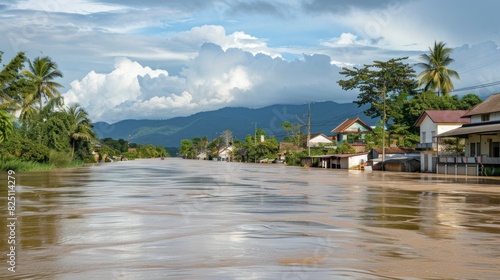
(465, 130)
(347, 123)
(443, 116)
(489, 105)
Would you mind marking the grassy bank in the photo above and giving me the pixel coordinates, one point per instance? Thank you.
(18, 165)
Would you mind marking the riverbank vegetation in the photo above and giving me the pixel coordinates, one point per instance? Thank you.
(39, 132)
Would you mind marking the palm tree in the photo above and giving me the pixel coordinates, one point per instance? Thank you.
(435, 76)
(5, 125)
(81, 127)
(42, 71)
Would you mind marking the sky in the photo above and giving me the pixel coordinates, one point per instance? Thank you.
(153, 59)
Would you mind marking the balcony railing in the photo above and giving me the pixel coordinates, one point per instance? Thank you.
(480, 159)
(426, 146)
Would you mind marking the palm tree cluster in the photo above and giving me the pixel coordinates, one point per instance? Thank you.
(34, 122)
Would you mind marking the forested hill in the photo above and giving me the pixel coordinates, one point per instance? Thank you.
(324, 117)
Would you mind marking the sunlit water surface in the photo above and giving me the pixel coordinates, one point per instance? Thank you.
(185, 219)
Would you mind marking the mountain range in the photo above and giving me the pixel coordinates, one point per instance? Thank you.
(325, 116)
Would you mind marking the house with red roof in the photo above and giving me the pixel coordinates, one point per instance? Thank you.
(432, 123)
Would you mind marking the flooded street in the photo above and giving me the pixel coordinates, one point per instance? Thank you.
(185, 219)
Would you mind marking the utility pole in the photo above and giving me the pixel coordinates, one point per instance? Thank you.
(309, 129)
(255, 133)
(383, 130)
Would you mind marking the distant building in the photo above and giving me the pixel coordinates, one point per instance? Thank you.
(352, 131)
(225, 153)
(320, 139)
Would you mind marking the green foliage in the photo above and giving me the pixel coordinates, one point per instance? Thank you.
(293, 131)
(345, 148)
(59, 159)
(41, 73)
(148, 151)
(120, 144)
(374, 81)
(9, 77)
(263, 150)
(293, 158)
(187, 148)
(24, 148)
(19, 165)
(6, 126)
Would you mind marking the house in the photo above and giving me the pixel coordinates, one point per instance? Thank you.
(391, 152)
(402, 164)
(353, 132)
(319, 140)
(402, 157)
(225, 153)
(482, 141)
(432, 123)
(337, 161)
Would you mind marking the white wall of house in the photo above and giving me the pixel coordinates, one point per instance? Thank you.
(427, 127)
(491, 117)
(352, 162)
(477, 145)
(320, 139)
(428, 130)
(226, 153)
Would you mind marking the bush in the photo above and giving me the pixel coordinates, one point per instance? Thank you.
(59, 159)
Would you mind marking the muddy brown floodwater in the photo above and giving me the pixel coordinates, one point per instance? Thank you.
(185, 219)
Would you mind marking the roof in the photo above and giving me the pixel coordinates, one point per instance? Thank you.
(401, 160)
(395, 150)
(443, 116)
(489, 105)
(472, 129)
(348, 123)
(337, 155)
(318, 134)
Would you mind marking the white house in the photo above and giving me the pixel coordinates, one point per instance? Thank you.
(432, 123)
(482, 140)
(320, 139)
(225, 153)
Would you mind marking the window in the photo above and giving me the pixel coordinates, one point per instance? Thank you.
(434, 139)
(495, 149)
(422, 140)
(475, 149)
(485, 117)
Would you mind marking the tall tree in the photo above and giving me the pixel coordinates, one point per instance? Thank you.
(80, 126)
(41, 73)
(11, 86)
(382, 80)
(436, 76)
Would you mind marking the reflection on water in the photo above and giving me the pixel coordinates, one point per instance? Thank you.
(182, 219)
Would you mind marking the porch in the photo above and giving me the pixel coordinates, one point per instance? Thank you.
(470, 166)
